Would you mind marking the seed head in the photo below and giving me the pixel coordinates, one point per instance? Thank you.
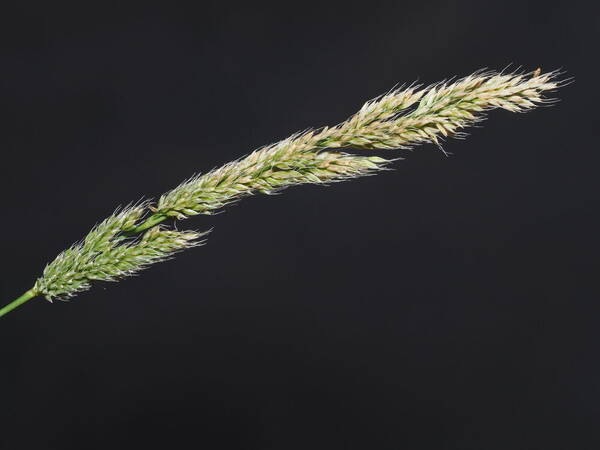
(107, 255)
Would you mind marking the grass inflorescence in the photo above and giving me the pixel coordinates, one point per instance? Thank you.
(133, 238)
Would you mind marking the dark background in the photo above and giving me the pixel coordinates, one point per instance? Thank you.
(449, 304)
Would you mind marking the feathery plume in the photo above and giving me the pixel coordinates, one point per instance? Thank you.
(127, 242)
(399, 119)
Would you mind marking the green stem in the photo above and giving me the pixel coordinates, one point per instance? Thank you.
(18, 302)
(151, 221)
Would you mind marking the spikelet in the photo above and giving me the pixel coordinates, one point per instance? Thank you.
(400, 119)
(441, 110)
(209, 192)
(107, 255)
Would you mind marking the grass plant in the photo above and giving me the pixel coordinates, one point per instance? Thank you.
(136, 237)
